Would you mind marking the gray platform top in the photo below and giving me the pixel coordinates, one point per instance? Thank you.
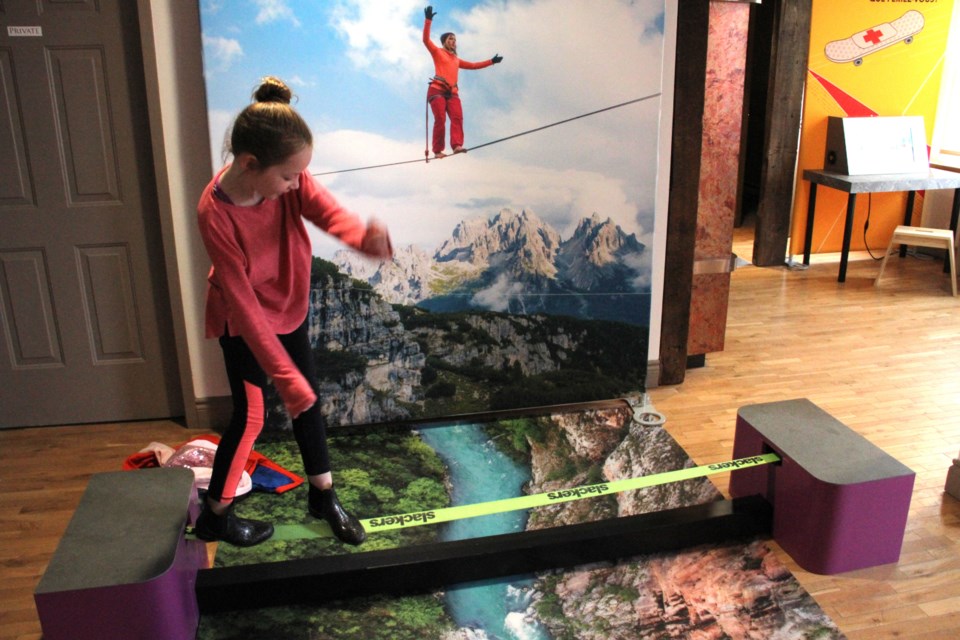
(877, 183)
(828, 449)
(125, 530)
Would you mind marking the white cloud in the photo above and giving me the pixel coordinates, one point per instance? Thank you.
(497, 296)
(380, 38)
(211, 6)
(220, 53)
(422, 202)
(219, 123)
(298, 81)
(562, 59)
(566, 59)
(275, 11)
(642, 265)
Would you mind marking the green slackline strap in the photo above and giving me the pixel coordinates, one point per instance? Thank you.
(320, 529)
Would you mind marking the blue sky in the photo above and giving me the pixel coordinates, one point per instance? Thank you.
(360, 71)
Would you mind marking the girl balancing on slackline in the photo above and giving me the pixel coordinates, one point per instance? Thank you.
(251, 218)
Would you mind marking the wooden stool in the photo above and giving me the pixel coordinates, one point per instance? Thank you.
(923, 237)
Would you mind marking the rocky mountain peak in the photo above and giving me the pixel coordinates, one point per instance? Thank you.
(522, 244)
(515, 251)
(599, 250)
(601, 241)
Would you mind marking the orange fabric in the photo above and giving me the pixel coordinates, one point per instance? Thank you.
(254, 427)
(148, 460)
(447, 65)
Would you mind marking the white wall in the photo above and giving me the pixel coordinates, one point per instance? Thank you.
(178, 122)
(663, 190)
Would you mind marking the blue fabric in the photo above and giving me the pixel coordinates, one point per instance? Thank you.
(267, 479)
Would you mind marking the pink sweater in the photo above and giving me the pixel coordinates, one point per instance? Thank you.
(259, 280)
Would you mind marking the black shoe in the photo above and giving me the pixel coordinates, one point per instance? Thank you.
(230, 528)
(323, 504)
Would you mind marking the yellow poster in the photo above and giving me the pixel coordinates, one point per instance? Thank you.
(867, 58)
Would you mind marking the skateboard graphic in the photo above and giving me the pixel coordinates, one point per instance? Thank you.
(854, 48)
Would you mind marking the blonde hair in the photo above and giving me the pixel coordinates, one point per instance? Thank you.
(269, 129)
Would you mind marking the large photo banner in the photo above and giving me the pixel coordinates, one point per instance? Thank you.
(522, 269)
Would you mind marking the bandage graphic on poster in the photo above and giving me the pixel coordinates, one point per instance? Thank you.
(881, 36)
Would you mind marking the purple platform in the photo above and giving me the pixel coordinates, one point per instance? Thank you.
(839, 502)
(124, 569)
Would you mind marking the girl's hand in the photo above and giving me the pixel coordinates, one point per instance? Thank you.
(376, 241)
(295, 391)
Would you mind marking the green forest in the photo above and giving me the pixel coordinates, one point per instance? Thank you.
(384, 471)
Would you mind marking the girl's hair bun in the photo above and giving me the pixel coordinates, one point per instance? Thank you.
(269, 128)
(273, 89)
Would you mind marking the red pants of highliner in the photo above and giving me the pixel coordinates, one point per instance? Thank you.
(443, 105)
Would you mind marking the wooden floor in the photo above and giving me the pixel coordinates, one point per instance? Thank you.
(886, 361)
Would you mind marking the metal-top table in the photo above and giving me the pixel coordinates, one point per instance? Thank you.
(876, 183)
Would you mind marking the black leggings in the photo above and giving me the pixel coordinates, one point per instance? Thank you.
(247, 382)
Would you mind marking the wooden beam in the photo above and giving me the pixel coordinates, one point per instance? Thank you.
(788, 71)
(693, 22)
